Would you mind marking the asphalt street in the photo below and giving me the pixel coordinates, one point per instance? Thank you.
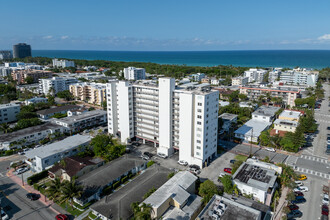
(14, 201)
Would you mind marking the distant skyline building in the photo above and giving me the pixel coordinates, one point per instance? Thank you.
(132, 73)
(63, 63)
(299, 77)
(6, 54)
(55, 84)
(22, 50)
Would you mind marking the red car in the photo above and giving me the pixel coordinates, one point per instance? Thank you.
(298, 193)
(325, 210)
(227, 170)
(61, 217)
(293, 207)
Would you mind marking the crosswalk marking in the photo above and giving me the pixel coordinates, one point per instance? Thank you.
(318, 159)
(308, 171)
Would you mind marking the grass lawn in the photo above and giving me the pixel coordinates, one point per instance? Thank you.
(241, 157)
(73, 211)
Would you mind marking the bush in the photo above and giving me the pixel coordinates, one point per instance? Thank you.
(36, 186)
(124, 179)
(150, 163)
(106, 191)
(37, 177)
(170, 175)
(116, 184)
(9, 152)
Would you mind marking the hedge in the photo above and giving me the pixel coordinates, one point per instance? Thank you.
(37, 177)
(124, 179)
(116, 184)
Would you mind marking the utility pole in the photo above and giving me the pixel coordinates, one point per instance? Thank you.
(251, 142)
(22, 179)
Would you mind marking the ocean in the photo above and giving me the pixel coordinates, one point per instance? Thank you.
(316, 59)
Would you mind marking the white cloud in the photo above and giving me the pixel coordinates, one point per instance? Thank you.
(48, 37)
(324, 37)
(64, 37)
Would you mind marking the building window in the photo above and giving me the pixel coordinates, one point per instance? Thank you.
(198, 154)
(199, 110)
(199, 116)
(199, 104)
(198, 141)
(198, 147)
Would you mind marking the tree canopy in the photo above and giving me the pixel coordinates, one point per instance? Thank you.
(207, 189)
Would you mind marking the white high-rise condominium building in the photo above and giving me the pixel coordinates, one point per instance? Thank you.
(63, 63)
(173, 118)
(274, 75)
(55, 84)
(255, 75)
(132, 73)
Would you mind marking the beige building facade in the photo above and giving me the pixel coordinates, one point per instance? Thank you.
(94, 93)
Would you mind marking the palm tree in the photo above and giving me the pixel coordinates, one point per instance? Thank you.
(5, 128)
(141, 212)
(70, 190)
(54, 190)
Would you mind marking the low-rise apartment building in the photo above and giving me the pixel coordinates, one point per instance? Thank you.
(176, 199)
(290, 115)
(27, 136)
(82, 121)
(48, 113)
(183, 118)
(255, 75)
(228, 120)
(35, 100)
(132, 73)
(94, 93)
(21, 75)
(55, 84)
(197, 77)
(285, 125)
(258, 179)
(94, 182)
(288, 94)
(63, 63)
(8, 112)
(300, 77)
(44, 157)
(239, 81)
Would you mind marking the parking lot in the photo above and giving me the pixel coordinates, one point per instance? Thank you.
(312, 208)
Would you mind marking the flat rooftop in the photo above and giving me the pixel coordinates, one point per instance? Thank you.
(266, 110)
(256, 125)
(286, 122)
(58, 147)
(104, 175)
(9, 105)
(27, 131)
(57, 109)
(279, 89)
(83, 116)
(233, 210)
(255, 176)
(176, 185)
(228, 116)
(291, 114)
(117, 205)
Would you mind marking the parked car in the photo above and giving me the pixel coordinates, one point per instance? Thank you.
(61, 217)
(32, 196)
(298, 200)
(293, 207)
(298, 193)
(324, 217)
(227, 170)
(301, 189)
(194, 166)
(162, 155)
(194, 171)
(328, 140)
(298, 183)
(325, 210)
(183, 162)
(222, 174)
(145, 157)
(294, 214)
(4, 215)
(21, 170)
(148, 154)
(325, 199)
(302, 177)
(232, 161)
(270, 149)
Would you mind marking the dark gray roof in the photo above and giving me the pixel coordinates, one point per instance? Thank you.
(57, 109)
(26, 131)
(104, 175)
(117, 205)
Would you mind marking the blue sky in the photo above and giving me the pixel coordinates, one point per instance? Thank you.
(166, 24)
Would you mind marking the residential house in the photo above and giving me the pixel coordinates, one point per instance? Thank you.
(36, 100)
(74, 166)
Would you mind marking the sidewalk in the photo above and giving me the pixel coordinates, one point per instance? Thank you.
(281, 204)
(49, 203)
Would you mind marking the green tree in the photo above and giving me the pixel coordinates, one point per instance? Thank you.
(115, 150)
(227, 184)
(70, 190)
(29, 80)
(26, 115)
(66, 94)
(207, 189)
(100, 144)
(242, 97)
(151, 191)
(54, 189)
(236, 165)
(5, 128)
(141, 211)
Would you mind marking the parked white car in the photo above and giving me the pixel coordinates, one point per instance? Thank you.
(4, 216)
(223, 174)
(298, 183)
(325, 199)
(21, 170)
(162, 155)
(301, 189)
(270, 149)
(183, 162)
